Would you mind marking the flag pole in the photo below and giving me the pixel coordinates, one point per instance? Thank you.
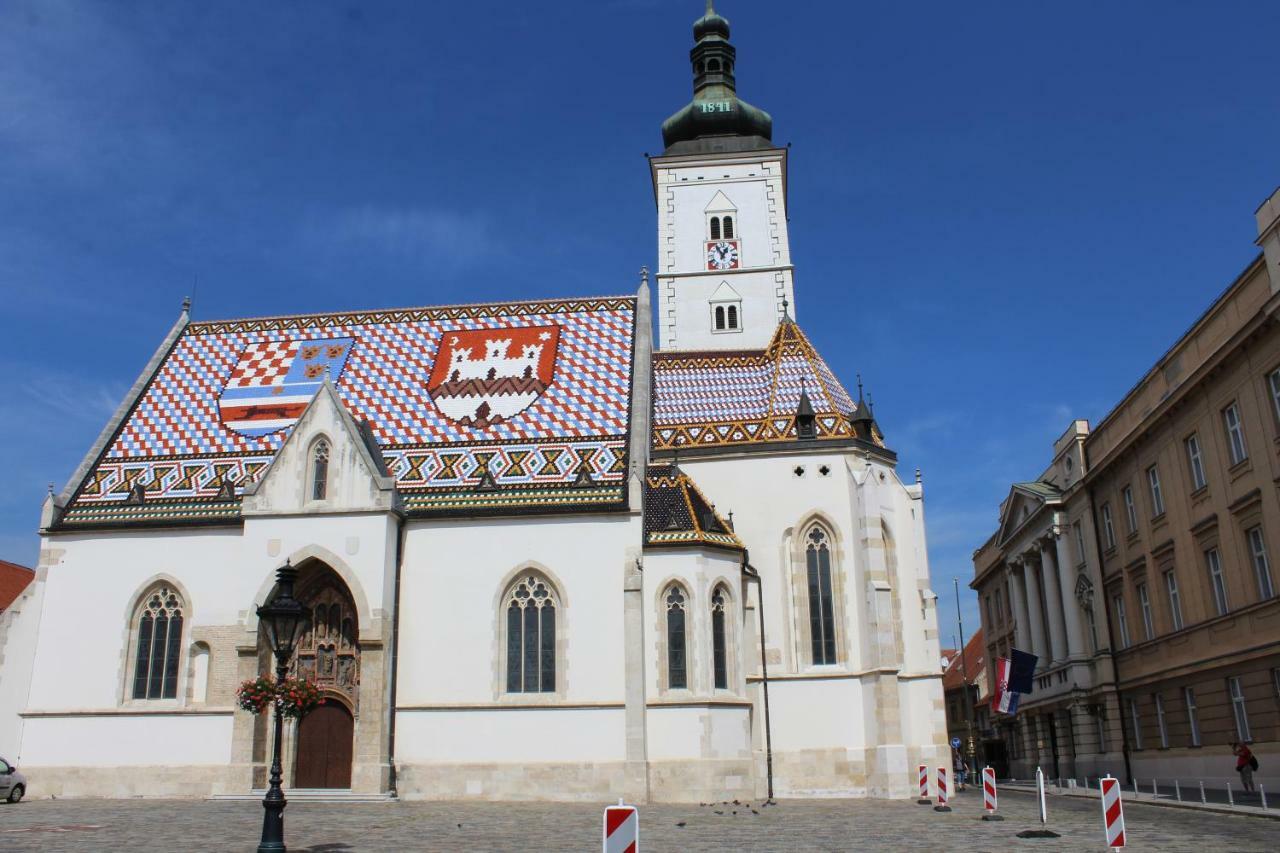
(964, 673)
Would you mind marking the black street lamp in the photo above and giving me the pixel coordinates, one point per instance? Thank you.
(284, 619)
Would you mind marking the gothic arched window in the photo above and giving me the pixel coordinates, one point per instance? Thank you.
(719, 650)
(677, 663)
(715, 228)
(728, 227)
(531, 636)
(159, 645)
(319, 470)
(822, 622)
(732, 322)
(720, 321)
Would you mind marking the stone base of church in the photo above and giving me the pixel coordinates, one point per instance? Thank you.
(568, 782)
(125, 782)
(703, 780)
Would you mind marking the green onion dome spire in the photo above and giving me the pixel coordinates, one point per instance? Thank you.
(717, 119)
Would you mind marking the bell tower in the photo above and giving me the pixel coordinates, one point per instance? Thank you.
(724, 274)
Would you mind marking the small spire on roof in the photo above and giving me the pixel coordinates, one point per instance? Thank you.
(50, 488)
(919, 479)
(644, 275)
(186, 304)
(786, 311)
(859, 387)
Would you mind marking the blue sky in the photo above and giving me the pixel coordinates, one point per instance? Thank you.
(969, 182)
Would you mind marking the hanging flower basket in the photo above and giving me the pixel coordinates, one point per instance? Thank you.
(296, 697)
(256, 694)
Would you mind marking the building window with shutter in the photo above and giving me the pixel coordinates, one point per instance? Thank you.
(1217, 583)
(1235, 434)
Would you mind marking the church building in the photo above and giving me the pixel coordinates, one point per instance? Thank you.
(551, 549)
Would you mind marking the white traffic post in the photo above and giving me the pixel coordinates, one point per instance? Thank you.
(1231, 800)
(924, 800)
(621, 829)
(1202, 799)
(989, 794)
(1044, 812)
(943, 791)
(1177, 791)
(1112, 811)
(1262, 789)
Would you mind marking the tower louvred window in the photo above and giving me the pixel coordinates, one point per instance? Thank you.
(728, 227)
(715, 228)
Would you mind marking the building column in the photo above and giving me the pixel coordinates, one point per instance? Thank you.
(1076, 644)
(1039, 642)
(1053, 600)
(1021, 621)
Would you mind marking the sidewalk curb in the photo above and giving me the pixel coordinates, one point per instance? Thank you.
(1212, 808)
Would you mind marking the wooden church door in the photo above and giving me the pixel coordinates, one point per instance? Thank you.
(324, 748)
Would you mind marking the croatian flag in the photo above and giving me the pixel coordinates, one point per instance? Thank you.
(1005, 700)
(273, 381)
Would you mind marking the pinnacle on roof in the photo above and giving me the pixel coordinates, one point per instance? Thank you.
(717, 119)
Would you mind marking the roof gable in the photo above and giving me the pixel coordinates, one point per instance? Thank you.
(536, 394)
(357, 478)
(1024, 502)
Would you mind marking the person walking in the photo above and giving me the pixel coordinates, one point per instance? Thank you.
(1245, 765)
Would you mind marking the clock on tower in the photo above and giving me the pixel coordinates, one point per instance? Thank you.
(722, 254)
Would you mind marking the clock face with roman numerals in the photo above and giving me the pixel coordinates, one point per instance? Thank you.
(722, 255)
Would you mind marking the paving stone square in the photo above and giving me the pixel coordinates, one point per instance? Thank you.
(790, 825)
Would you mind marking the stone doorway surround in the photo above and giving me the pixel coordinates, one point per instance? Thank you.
(250, 749)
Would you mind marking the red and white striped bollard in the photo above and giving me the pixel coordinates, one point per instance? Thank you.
(989, 794)
(943, 791)
(621, 829)
(1112, 811)
(924, 786)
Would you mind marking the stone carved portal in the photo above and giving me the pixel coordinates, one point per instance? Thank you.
(328, 652)
(329, 655)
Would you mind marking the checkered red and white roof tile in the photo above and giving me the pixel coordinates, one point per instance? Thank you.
(705, 399)
(178, 445)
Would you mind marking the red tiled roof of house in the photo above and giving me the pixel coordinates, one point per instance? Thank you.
(13, 580)
(973, 662)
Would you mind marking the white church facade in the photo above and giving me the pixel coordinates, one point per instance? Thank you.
(551, 549)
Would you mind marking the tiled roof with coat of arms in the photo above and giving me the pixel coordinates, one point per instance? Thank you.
(499, 407)
(746, 397)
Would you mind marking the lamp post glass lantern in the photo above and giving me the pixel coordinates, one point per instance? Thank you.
(283, 619)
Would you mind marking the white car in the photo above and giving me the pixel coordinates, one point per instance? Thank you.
(12, 783)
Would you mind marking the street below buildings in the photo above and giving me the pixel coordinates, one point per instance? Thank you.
(790, 825)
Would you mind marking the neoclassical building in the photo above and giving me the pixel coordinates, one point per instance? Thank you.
(1138, 566)
(545, 555)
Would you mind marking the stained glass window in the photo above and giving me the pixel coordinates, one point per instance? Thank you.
(822, 622)
(531, 636)
(677, 671)
(159, 646)
(320, 471)
(719, 653)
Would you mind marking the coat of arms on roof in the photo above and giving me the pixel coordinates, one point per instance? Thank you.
(273, 381)
(486, 376)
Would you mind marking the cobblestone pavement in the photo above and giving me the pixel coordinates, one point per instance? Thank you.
(791, 825)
